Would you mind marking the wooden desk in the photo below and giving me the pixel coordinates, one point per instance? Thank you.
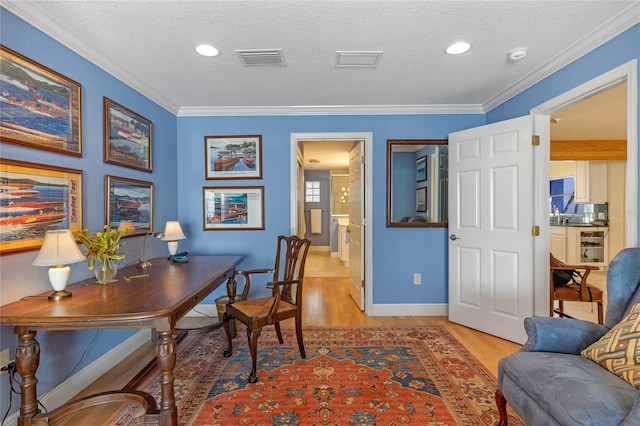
(155, 301)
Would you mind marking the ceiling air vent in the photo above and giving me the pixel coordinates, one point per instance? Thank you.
(368, 59)
(261, 57)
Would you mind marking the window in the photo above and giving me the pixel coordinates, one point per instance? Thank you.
(562, 197)
(312, 191)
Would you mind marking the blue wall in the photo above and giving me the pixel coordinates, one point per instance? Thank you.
(398, 253)
(62, 351)
(178, 164)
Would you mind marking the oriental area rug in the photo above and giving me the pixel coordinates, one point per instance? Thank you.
(363, 376)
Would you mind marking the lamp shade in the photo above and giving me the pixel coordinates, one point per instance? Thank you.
(58, 248)
(173, 231)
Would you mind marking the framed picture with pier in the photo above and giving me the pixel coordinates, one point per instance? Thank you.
(129, 202)
(40, 107)
(233, 157)
(233, 208)
(35, 198)
(127, 137)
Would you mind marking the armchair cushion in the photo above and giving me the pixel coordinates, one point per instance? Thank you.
(562, 335)
(569, 389)
(619, 350)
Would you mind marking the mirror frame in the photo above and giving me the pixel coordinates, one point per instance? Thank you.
(390, 145)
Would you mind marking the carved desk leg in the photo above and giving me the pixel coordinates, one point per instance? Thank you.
(166, 355)
(232, 288)
(27, 362)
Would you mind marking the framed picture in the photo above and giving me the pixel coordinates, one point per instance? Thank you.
(35, 198)
(233, 208)
(421, 169)
(421, 200)
(129, 202)
(127, 137)
(233, 157)
(41, 108)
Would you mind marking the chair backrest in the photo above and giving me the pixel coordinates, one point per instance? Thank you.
(290, 259)
(623, 285)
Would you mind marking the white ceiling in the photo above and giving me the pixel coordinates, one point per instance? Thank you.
(150, 46)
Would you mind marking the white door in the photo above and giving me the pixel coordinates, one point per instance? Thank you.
(490, 227)
(356, 230)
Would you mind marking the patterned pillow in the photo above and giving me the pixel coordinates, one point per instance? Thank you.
(619, 350)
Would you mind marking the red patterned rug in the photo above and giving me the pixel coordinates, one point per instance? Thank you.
(365, 376)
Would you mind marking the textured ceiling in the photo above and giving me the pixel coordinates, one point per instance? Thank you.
(150, 45)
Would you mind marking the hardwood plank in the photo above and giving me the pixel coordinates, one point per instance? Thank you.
(588, 150)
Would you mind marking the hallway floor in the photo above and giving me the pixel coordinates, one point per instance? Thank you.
(321, 264)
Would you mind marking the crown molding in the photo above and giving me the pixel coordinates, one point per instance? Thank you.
(32, 13)
(330, 110)
(615, 26)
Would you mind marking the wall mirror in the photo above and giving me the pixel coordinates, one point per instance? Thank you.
(417, 180)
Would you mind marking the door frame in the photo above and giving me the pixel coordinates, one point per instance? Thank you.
(367, 189)
(628, 73)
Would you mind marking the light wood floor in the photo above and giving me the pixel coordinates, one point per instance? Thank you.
(328, 303)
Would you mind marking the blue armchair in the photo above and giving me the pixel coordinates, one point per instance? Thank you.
(548, 382)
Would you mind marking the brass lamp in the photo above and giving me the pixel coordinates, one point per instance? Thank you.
(173, 233)
(57, 251)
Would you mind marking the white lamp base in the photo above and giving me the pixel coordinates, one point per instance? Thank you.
(59, 278)
(173, 247)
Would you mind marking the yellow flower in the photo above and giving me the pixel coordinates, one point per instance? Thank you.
(101, 246)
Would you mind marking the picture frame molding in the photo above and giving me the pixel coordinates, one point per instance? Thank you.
(109, 207)
(74, 206)
(210, 143)
(256, 190)
(49, 142)
(146, 147)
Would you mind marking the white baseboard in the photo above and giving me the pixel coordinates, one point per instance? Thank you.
(335, 254)
(83, 378)
(411, 309)
(203, 310)
(319, 248)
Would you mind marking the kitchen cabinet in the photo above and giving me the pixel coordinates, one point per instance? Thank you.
(558, 236)
(591, 182)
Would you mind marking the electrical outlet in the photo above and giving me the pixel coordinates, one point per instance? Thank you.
(417, 279)
(5, 359)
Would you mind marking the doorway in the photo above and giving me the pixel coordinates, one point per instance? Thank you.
(624, 74)
(298, 215)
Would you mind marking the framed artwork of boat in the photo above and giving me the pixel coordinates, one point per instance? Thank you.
(35, 198)
(129, 202)
(233, 157)
(127, 137)
(39, 107)
(421, 200)
(421, 169)
(233, 208)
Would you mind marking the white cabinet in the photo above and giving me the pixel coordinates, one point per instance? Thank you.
(343, 240)
(559, 243)
(591, 182)
(593, 248)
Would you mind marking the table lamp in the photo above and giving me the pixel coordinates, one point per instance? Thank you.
(58, 249)
(173, 233)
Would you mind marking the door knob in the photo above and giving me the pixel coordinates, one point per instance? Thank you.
(453, 237)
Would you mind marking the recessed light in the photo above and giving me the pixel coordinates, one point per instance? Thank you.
(518, 53)
(207, 50)
(458, 48)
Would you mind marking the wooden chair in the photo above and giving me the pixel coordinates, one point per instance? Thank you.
(574, 291)
(285, 301)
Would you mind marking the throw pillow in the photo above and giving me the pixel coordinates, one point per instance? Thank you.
(619, 350)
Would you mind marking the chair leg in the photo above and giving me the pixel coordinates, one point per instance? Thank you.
(226, 322)
(501, 403)
(279, 333)
(561, 307)
(303, 354)
(600, 313)
(252, 336)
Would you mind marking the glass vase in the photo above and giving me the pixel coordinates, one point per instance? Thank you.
(106, 271)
